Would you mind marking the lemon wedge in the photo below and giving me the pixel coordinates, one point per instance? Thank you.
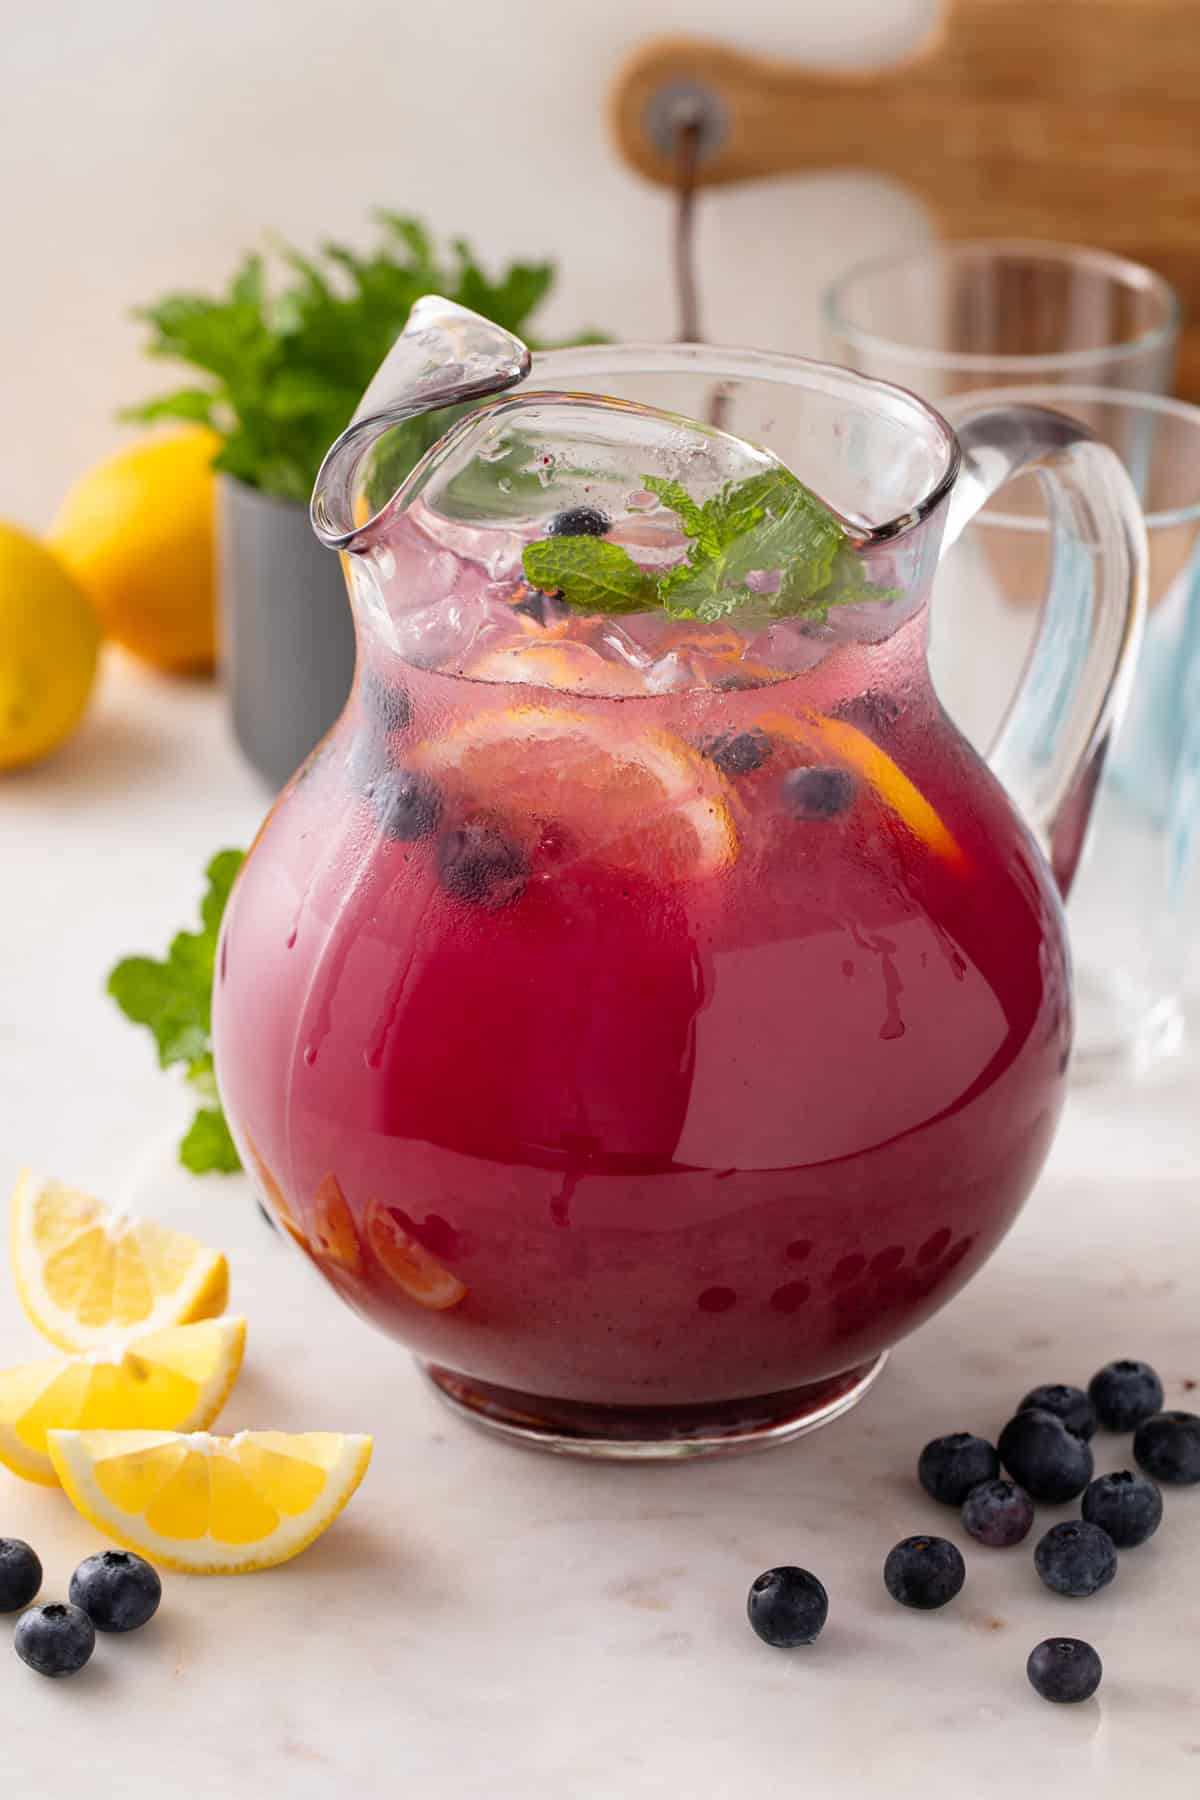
(176, 1380)
(210, 1505)
(85, 1274)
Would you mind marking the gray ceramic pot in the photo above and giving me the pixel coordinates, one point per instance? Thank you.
(287, 639)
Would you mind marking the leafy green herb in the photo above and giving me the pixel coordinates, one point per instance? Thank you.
(769, 525)
(594, 575)
(286, 360)
(173, 999)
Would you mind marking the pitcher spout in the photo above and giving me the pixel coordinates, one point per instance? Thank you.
(445, 356)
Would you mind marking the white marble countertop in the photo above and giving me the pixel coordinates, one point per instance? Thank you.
(484, 1621)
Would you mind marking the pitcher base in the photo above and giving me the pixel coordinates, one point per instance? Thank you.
(651, 1433)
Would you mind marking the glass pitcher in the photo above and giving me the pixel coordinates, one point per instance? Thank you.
(644, 1003)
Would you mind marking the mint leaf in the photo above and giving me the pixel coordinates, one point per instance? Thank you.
(288, 348)
(172, 998)
(591, 574)
(206, 1147)
(675, 496)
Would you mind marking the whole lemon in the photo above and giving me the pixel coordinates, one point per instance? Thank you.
(137, 532)
(49, 637)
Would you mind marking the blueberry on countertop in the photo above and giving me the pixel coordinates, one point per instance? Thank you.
(579, 521)
(997, 1513)
(1075, 1559)
(1064, 1670)
(1070, 1404)
(924, 1572)
(1044, 1457)
(20, 1574)
(949, 1467)
(1167, 1447)
(1128, 1506)
(1124, 1393)
(787, 1607)
(54, 1640)
(117, 1590)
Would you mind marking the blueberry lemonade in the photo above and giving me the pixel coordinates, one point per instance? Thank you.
(643, 1004)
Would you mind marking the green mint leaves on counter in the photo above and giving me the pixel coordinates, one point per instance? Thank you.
(172, 998)
(288, 350)
(767, 526)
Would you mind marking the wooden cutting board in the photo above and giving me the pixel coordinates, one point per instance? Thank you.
(1069, 119)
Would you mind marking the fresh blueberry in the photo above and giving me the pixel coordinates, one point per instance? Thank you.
(1168, 1447)
(1064, 1670)
(54, 1640)
(787, 1607)
(116, 1590)
(1070, 1404)
(817, 793)
(579, 521)
(997, 1513)
(1128, 1506)
(1048, 1461)
(386, 702)
(1124, 1393)
(478, 864)
(924, 1572)
(1075, 1558)
(949, 1467)
(738, 752)
(406, 803)
(20, 1574)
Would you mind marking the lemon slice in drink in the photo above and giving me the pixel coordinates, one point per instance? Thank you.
(632, 800)
(210, 1505)
(172, 1380)
(838, 741)
(85, 1274)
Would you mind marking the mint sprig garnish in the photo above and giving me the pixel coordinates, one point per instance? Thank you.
(769, 527)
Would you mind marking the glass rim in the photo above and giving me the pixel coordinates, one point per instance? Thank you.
(1123, 271)
(720, 363)
(1057, 396)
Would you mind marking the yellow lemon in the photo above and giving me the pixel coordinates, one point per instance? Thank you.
(83, 1272)
(172, 1380)
(137, 531)
(49, 637)
(210, 1505)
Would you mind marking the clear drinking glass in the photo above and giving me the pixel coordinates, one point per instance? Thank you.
(1133, 908)
(953, 321)
(947, 319)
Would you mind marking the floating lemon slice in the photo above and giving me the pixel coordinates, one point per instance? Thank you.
(842, 742)
(172, 1380)
(334, 1234)
(210, 1505)
(85, 1274)
(274, 1195)
(633, 800)
(408, 1264)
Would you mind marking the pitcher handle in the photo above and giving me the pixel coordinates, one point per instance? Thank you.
(1050, 749)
